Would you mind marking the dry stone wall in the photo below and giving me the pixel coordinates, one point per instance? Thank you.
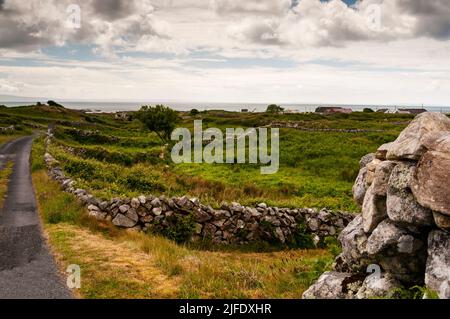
(403, 233)
(231, 224)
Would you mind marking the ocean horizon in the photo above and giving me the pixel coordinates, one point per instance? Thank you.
(111, 107)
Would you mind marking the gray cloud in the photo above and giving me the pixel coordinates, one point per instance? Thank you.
(112, 9)
(433, 17)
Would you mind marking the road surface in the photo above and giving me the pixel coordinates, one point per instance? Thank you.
(27, 269)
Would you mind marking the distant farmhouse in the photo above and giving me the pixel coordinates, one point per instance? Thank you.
(411, 111)
(333, 110)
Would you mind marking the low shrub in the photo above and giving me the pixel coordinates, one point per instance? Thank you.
(302, 237)
(179, 228)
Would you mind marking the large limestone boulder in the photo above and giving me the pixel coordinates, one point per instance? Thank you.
(389, 235)
(334, 285)
(431, 183)
(401, 204)
(437, 275)
(398, 251)
(410, 143)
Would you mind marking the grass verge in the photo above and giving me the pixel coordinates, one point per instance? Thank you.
(5, 173)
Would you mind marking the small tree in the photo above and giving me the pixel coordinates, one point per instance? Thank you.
(368, 110)
(194, 112)
(273, 108)
(159, 119)
(54, 104)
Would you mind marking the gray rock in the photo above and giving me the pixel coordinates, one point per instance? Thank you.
(333, 285)
(373, 210)
(378, 286)
(123, 221)
(131, 214)
(157, 211)
(359, 187)
(401, 204)
(437, 274)
(385, 235)
(279, 234)
(410, 143)
(135, 203)
(155, 202)
(93, 208)
(262, 205)
(381, 177)
(142, 199)
(371, 168)
(398, 252)
(433, 172)
(104, 205)
(124, 208)
(353, 240)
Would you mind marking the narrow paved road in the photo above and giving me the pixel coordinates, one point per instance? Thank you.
(27, 269)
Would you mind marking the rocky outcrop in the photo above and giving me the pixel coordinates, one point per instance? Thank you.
(231, 224)
(404, 190)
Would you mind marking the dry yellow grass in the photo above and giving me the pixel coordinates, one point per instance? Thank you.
(110, 269)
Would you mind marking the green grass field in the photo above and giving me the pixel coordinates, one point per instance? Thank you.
(121, 158)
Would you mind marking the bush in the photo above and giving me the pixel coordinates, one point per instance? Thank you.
(273, 108)
(302, 237)
(53, 103)
(180, 228)
(194, 112)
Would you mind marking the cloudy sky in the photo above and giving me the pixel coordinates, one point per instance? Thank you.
(285, 51)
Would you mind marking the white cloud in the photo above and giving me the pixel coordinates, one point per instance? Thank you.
(7, 86)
